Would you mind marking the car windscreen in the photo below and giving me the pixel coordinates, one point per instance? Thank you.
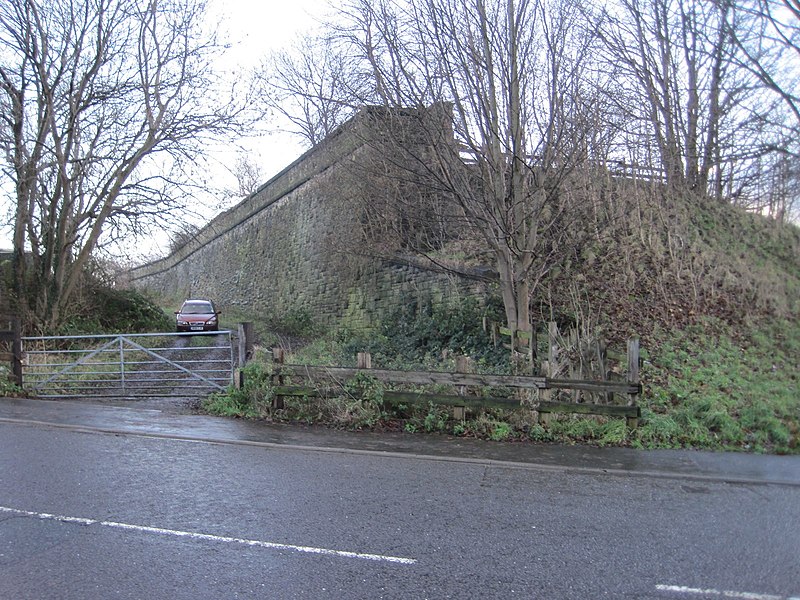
(197, 308)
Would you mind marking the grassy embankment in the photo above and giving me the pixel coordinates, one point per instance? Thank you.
(706, 386)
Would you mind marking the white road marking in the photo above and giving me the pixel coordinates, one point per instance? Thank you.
(210, 537)
(680, 589)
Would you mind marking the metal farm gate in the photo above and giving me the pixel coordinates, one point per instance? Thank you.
(144, 365)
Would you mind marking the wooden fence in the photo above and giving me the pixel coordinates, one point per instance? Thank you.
(470, 390)
(616, 168)
(571, 354)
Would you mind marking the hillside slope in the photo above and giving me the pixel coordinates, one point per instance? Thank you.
(714, 293)
(658, 262)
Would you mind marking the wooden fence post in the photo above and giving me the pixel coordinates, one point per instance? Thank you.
(16, 351)
(462, 366)
(246, 343)
(633, 376)
(364, 360)
(602, 367)
(549, 367)
(278, 358)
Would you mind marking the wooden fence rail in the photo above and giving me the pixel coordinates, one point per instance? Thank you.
(460, 379)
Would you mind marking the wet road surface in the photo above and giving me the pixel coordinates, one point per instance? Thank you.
(130, 502)
(175, 417)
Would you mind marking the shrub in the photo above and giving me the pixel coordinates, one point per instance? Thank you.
(251, 400)
(7, 387)
(111, 310)
(416, 335)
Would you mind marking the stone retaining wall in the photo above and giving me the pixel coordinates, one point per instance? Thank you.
(284, 251)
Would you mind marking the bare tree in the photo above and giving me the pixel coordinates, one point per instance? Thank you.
(312, 86)
(101, 101)
(676, 54)
(498, 123)
(766, 34)
(249, 175)
(770, 45)
(696, 99)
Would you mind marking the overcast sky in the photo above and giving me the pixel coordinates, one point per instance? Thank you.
(254, 30)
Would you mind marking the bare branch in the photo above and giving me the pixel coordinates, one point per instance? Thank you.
(98, 97)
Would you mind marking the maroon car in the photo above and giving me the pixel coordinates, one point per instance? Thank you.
(197, 315)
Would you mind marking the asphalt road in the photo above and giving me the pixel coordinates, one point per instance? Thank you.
(89, 515)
